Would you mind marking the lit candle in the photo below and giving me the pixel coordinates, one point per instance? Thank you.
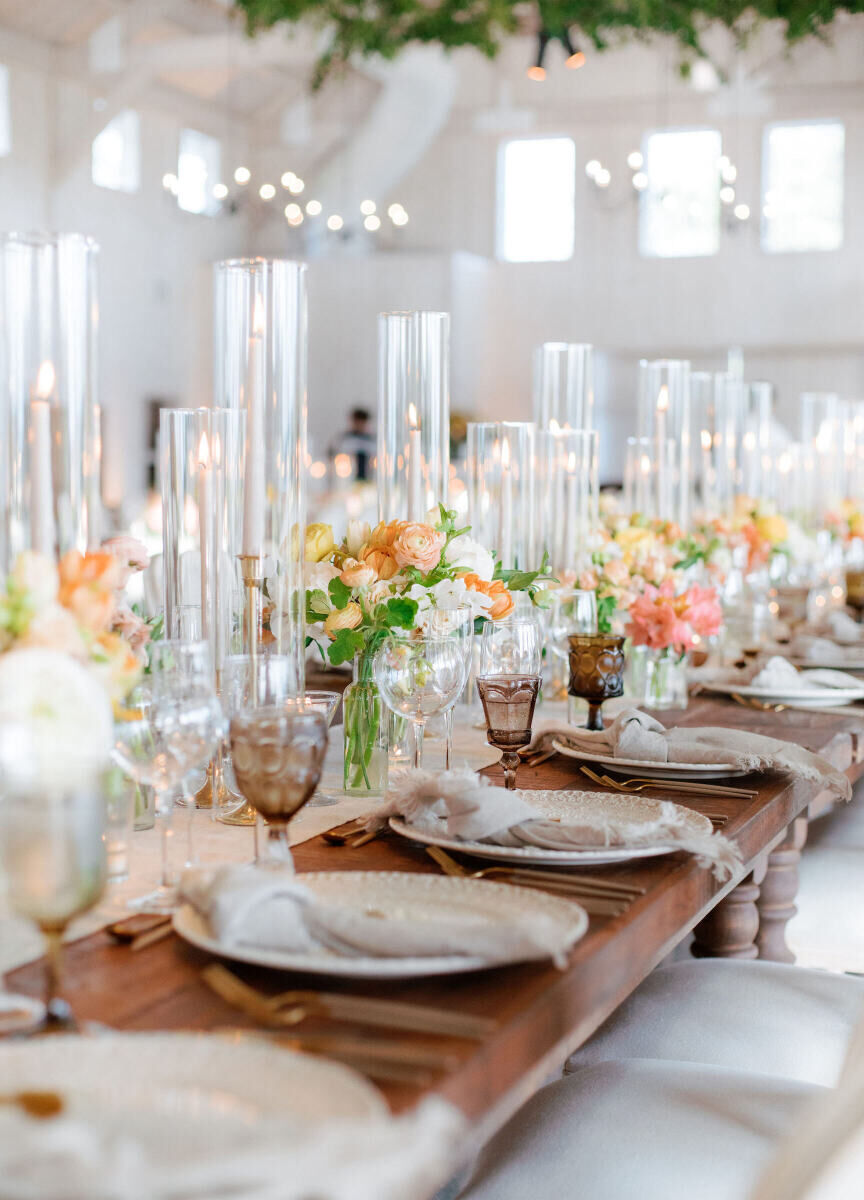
(416, 502)
(662, 512)
(205, 502)
(707, 472)
(253, 483)
(41, 479)
(506, 506)
(571, 525)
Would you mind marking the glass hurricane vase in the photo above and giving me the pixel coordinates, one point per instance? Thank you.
(664, 679)
(365, 729)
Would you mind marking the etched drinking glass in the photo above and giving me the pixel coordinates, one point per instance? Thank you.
(508, 684)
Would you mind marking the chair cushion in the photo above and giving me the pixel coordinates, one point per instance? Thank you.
(828, 929)
(641, 1130)
(751, 1016)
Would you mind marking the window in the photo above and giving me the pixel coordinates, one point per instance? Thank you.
(116, 154)
(802, 200)
(536, 199)
(679, 210)
(5, 116)
(198, 169)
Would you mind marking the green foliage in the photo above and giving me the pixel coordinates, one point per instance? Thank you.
(345, 647)
(340, 593)
(385, 27)
(605, 613)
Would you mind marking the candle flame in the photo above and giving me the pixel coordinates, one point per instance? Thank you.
(554, 427)
(204, 452)
(663, 399)
(258, 318)
(571, 462)
(750, 440)
(412, 417)
(505, 452)
(645, 465)
(706, 439)
(45, 380)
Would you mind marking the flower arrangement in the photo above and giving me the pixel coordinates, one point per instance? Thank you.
(847, 523)
(666, 620)
(390, 577)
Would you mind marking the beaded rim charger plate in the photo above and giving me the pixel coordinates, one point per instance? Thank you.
(398, 896)
(559, 806)
(653, 769)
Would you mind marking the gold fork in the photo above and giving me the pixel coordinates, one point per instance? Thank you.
(637, 784)
(759, 705)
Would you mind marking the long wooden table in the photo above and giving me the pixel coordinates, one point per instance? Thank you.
(543, 1014)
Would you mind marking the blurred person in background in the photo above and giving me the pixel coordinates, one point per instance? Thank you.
(358, 441)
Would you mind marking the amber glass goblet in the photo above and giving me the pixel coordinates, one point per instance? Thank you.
(855, 589)
(278, 756)
(508, 705)
(596, 671)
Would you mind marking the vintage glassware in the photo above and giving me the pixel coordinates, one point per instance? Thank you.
(50, 453)
(325, 703)
(596, 671)
(52, 852)
(278, 755)
(413, 467)
(508, 684)
(419, 678)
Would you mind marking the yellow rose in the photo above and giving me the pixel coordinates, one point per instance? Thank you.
(357, 574)
(633, 538)
(348, 617)
(773, 529)
(319, 542)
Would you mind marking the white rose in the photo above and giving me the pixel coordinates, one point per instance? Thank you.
(468, 555)
(65, 712)
(54, 628)
(36, 574)
(318, 575)
(357, 536)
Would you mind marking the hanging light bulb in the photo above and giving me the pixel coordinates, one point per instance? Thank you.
(372, 223)
(296, 186)
(267, 191)
(242, 175)
(537, 71)
(220, 191)
(335, 223)
(170, 182)
(367, 207)
(575, 56)
(635, 160)
(313, 208)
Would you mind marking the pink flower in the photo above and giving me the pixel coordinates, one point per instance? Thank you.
(703, 611)
(131, 555)
(418, 545)
(131, 627)
(588, 580)
(656, 620)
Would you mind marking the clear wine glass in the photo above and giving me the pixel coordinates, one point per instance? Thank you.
(419, 677)
(52, 851)
(278, 756)
(573, 610)
(509, 683)
(163, 732)
(325, 703)
(456, 622)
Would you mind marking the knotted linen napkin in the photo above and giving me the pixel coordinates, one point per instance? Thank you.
(469, 807)
(814, 648)
(778, 674)
(638, 736)
(274, 910)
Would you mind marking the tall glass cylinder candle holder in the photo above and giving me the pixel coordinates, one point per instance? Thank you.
(853, 450)
(261, 368)
(664, 415)
(567, 507)
(201, 475)
(47, 391)
(501, 490)
(413, 466)
(822, 430)
(563, 386)
(755, 451)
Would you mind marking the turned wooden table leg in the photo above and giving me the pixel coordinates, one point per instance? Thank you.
(777, 894)
(731, 928)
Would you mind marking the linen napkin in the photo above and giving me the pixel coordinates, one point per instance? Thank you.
(636, 735)
(818, 649)
(274, 910)
(778, 675)
(74, 1157)
(469, 807)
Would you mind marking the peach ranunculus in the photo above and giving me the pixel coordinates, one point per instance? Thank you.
(87, 586)
(385, 533)
(131, 555)
(348, 617)
(418, 545)
(588, 580)
(357, 574)
(131, 627)
(497, 591)
(382, 561)
(617, 572)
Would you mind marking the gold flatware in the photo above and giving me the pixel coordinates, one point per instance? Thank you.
(340, 835)
(363, 838)
(538, 757)
(759, 705)
(384, 1068)
(131, 928)
(289, 1008)
(638, 784)
(148, 939)
(36, 1104)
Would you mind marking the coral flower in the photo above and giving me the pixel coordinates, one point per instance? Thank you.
(380, 560)
(497, 591)
(418, 545)
(348, 617)
(87, 586)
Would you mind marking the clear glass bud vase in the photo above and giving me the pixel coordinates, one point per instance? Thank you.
(664, 683)
(366, 740)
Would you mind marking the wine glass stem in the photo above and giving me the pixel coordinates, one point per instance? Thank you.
(419, 729)
(510, 761)
(595, 717)
(448, 739)
(278, 846)
(164, 813)
(53, 968)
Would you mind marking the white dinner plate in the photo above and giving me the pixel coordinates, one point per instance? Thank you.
(803, 664)
(185, 1095)
(653, 770)
(560, 806)
(814, 697)
(401, 895)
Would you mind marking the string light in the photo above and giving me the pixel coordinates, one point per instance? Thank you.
(742, 211)
(537, 71)
(397, 214)
(313, 208)
(635, 160)
(170, 182)
(603, 178)
(286, 179)
(367, 207)
(372, 223)
(640, 181)
(267, 191)
(220, 191)
(335, 223)
(727, 195)
(242, 175)
(592, 167)
(296, 186)
(292, 212)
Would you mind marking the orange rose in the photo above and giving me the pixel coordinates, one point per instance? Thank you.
(418, 545)
(497, 591)
(87, 586)
(348, 617)
(384, 534)
(357, 574)
(381, 561)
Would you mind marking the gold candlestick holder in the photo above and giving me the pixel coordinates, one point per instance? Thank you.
(251, 568)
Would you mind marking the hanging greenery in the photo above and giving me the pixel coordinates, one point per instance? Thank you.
(386, 27)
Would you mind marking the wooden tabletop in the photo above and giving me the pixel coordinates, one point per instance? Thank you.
(542, 1013)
